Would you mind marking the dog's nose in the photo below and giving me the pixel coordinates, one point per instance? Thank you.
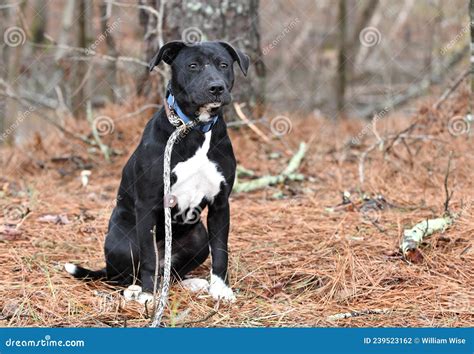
(216, 88)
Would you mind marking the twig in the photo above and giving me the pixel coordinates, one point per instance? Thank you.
(204, 319)
(252, 126)
(89, 54)
(451, 89)
(239, 124)
(138, 111)
(392, 136)
(446, 190)
(343, 316)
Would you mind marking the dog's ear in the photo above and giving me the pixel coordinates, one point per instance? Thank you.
(238, 56)
(167, 53)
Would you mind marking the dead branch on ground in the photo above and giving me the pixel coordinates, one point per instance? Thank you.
(288, 174)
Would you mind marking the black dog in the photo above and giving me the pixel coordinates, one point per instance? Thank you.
(203, 170)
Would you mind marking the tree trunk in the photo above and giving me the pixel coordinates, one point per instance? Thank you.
(4, 54)
(64, 36)
(471, 15)
(40, 21)
(341, 77)
(236, 22)
(11, 67)
(80, 86)
(111, 66)
(355, 43)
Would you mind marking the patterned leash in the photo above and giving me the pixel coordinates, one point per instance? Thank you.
(169, 201)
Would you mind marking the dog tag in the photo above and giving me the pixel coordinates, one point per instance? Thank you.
(169, 201)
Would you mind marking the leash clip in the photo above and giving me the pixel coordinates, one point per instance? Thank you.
(169, 201)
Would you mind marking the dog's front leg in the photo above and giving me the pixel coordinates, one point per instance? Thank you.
(146, 220)
(218, 228)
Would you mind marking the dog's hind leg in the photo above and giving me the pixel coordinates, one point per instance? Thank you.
(121, 251)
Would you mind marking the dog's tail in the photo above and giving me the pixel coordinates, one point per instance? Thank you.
(83, 273)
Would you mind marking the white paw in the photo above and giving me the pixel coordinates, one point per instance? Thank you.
(70, 268)
(219, 290)
(134, 293)
(145, 298)
(195, 285)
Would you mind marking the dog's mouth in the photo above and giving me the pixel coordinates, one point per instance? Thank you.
(207, 110)
(214, 104)
(211, 107)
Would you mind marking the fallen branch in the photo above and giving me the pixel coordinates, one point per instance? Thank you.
(446, 188)
(413, 237)
(247, 121)
(252, 126)
(288, 174)
(393, 138)
(243, 123)
(343, 316)
(138, 111)
(204, 319)
(244, 172)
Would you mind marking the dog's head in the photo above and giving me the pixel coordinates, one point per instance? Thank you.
(202, 73)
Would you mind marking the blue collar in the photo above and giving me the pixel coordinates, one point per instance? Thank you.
(202, 127)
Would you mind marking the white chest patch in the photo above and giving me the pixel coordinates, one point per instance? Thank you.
(197, 178)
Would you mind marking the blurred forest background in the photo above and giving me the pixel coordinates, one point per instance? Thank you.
(350, 58)
(352, 129)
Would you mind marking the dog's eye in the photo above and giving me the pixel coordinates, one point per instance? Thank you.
(193, 66)
(224, 65)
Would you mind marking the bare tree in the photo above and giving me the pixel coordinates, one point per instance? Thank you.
(12, 62)
(111, 66)
(341, 77)
(64, 36)
(364, 19)
(235, 21)
(3, 70)
(471, 15)
(80, 93)
(40, 21)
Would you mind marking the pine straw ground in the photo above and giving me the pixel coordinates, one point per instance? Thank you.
(293, 262)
